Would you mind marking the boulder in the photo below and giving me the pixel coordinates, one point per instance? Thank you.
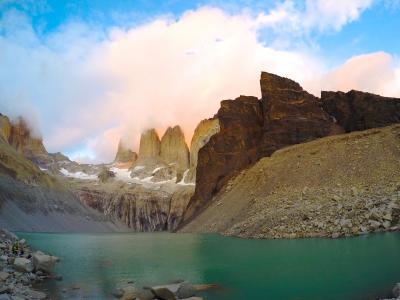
(4, 275)
(396, 290)
(173, 149)
(357, 110)
(44, 262)
(186, 290)
(35, 295)
(23, 264)
(166, 292)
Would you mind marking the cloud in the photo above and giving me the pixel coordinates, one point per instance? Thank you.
(89, 87)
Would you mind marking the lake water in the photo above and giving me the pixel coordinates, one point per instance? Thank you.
(351, 268)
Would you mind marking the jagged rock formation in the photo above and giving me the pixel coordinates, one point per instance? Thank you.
(291, 115)
(202, 134)
(174, 149)
(125, 155)
(22, 140)
(335, 186)
(149, 149)
(251, 129)
(356, 110)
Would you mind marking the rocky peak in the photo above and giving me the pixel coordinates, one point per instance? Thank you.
(5, 128)
(150, 145)
(357, 110)
(273, 85)
(174, 148)
(291, 115)
(21, 139)
(125, 155)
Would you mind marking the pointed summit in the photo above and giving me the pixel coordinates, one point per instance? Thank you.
(125, 155)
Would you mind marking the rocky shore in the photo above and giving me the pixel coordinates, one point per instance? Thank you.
(21, 268)
(174, 291)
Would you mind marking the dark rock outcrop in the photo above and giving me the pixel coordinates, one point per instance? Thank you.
(251, 129)
(356, 110)
(291, 115)
(234, 147)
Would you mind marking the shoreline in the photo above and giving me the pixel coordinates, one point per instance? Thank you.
(22, 269)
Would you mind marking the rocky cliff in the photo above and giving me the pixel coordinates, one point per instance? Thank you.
(139, 207)
(125, 155)
(174, 150)
(359, 111)
(252, 128)
(335, 186)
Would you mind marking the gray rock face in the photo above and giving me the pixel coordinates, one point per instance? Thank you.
(186, 290)
(174, 149)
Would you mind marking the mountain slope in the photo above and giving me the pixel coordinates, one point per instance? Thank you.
(338, 185)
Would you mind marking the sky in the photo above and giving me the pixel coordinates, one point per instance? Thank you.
(86, 74)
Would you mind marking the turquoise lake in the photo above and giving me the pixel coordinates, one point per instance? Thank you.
(361, 268)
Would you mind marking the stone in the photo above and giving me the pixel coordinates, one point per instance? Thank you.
(396, 290)
(4, 276)
(44, 262)
(37, 295)
(186, 290)
(166, 292)
(23, 264)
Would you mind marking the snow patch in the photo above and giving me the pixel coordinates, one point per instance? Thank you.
(79, 175)
(182, 182)
(138, 168)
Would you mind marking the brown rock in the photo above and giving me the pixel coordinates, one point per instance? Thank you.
(149, 149)
(356, 110)
(174, 149)
(22, 140)
(233, 148)
(291, 115)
